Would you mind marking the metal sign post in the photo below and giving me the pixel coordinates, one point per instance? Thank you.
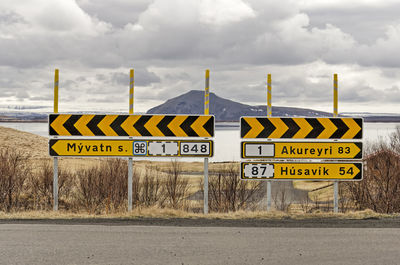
(130, 160)
(55, 159)
(335, 114)
(269, 114)
(206, 112)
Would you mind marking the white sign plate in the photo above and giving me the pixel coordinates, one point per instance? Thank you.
(173, 148)
(195, 148)
(259, 150)
(163, 148)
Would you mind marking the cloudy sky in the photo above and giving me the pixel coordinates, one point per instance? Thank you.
(94, 43)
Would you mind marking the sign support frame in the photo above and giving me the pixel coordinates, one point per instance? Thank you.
(55, 159)
(269, 114)
(130, 160)
(206, 112)
(335, 114)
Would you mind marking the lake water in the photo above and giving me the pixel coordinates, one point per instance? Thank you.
(227, 139)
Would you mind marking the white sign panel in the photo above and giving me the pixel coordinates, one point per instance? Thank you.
(173, 148)
(163, 148)
(195, 148)
(259, 170)
(259, 150)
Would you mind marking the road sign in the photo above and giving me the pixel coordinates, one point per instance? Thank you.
(131, 148)
(301, 171)
(300, 128)
(131, 125)
(302, 150)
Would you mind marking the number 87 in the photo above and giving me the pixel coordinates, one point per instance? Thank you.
(254, 170)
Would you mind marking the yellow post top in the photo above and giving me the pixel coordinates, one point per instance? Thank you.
(335, 95)
(131, 85)
(207, 93)
(269, 96)
(56, 91)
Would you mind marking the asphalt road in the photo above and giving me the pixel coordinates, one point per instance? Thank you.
(122, 243)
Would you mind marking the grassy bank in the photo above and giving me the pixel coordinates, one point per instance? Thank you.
(98, 186)
(173, 213)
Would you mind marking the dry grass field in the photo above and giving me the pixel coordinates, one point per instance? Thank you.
(98, 186)
(154, 212)
(35, 149)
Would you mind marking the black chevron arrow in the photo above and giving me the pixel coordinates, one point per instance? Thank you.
(359, 145)
(116, 125)
(52, 117)
(69, 125)
(139, 125)
(209, 126)
(186, 126)
(360, 123)
(51, 143)
(244, 127)
(163, 125)
(293, 128)
(268, 128)
(317, 128)
(92, 125)
(341, 128)
(359, 166)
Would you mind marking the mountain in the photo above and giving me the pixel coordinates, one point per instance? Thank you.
(225, 109)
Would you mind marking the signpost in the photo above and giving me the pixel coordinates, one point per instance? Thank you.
(302, 150)
(301, 171)
(330, 130)
(131, 148)
(131, 125)
(55, 159)
(301, 128)
(130, 160)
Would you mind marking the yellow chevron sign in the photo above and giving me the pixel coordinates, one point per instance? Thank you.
(131, 125)
(131, 148)
(302, 150)
(301, 171)
(301, 128)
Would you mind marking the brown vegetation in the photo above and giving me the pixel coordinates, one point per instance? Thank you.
(13, 174)
(99, 186)
(380, 188)
(228, 193)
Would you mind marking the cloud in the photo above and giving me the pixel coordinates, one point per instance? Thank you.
(142, 78)
(58, 17)
(117, 12)
(382, 51)
(222, 12)
(392, 94)
(171, 43)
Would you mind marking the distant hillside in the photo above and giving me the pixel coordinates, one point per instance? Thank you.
(225, 109)
(27, 143)
(11, 116)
